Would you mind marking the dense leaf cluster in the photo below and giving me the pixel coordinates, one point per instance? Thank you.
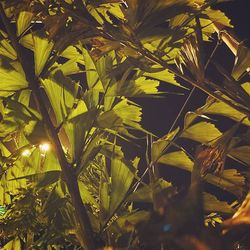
(68, 71)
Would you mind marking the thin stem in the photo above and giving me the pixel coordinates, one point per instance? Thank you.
(182, 109)
(212, 54)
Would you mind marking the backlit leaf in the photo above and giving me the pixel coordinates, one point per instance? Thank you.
(42, 50)
(7, 50)
(161, 144)
(177, 159)
(23, 21)
(212, 204)
(11, 80)
(61, 92)
(202, 132)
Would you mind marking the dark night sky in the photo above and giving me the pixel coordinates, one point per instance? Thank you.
(159, 114)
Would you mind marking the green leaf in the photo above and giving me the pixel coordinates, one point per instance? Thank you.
(212, 204)
(140, 87)
(164, 76)
(61, 92)
(42, 50)
(68, 68)
(242, 61)
(12, 245)
(230, 181)
(41, 179)
(27, 41)
(217, 16)
(215, 107)
(146, 193)
(72, 53)
(11, 79)
(241, 153)
(92, 76)
(128, 221)
(76, 127)
(178, 159)
(23, 21)
(125, 113)
(7, 50)
(159, 146)
(121, 180)
(86, 196)
(203, 132)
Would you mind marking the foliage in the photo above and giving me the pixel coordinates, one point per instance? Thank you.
(68, 72)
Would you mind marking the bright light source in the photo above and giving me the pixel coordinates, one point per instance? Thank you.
(26, 153)
(44, 147)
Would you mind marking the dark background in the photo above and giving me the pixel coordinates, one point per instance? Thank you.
(159, 114)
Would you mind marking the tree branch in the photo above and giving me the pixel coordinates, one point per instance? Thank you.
(67, 170)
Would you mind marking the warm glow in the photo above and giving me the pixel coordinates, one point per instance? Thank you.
(26, 153)
(44, 147)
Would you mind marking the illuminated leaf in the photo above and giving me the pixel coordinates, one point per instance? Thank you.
(212, 204)
(164, 76)
(230, 180)
(13, 244)
(202, 132)
(61, 92)
(7, 50)
(159, 146)
(23, 21)
(241, 153)
(11, 80)
(178, 159)
(42, 50)
(242, 61)
(121, 179)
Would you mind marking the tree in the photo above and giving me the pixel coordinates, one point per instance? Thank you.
(68, 72)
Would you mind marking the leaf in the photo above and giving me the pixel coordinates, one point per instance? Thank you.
(42, 50)
(230, 181)
(217, 16)
(27, 41)
(92, 76)
(215, 107)
(121, 180)
(242, 216)
(61, 92)
(41, 179)
(178, 159)
(68, 68)
(72, 53)
(23, 21)
(140, 87)
(7, 50)
(203, 132)
(86, 196)
(242, 61)
(128, 221)
(146, 193)
(241, 153)
(164, 76)
(159, 146)
(212, 204)
(12, 245)
(78, 123)
(11, 80)
(125, 113)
